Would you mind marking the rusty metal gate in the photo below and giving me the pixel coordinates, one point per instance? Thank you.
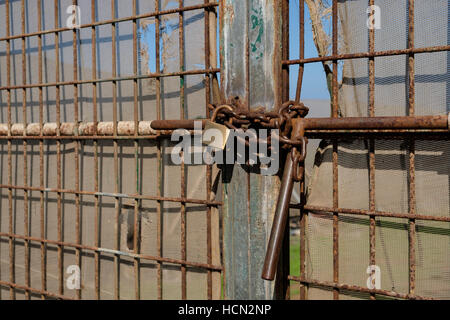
(93, 102)
(85, 181)
(359, 213)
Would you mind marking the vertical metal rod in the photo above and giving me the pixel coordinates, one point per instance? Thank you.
(158, 155)
(372, 237)
(412, 168)
(279, 222)
(285, 285)
(58, 153)
(301, 50)
(136, 238)
(41, 158)
(222, 77)
(76, 147)
(208, 167)
(25, 160)
(183, 168)
(95, 118)
(12, 273)
(335, 108)
(116, 157)
(303, 214)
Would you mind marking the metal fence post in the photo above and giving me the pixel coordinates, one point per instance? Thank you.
(251, 55)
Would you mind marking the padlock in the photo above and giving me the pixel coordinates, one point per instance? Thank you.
(215, 135)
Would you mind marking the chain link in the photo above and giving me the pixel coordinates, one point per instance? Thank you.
(235, 116)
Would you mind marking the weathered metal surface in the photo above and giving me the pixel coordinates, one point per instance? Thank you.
(78, 119)
(251, 63)
(279, 222)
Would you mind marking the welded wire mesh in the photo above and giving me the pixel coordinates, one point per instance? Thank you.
(85, 182)
(378, 201)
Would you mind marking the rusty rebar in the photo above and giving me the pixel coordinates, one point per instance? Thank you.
(348, 287)
(363, 55)
(412, 155)
(58, 83)
(159, 211)
(182, 167)
(97, 222)
(116, 20)
(58, 152)
(41, 158)
(25, 158)
(11, 241)
(136, 226)
(327, 210)
(111, 251)
(116, 156)
(335, 113)
(208, 167)
(372, 235)
(76, 144)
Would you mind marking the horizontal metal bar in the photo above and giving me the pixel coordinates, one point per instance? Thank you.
(124, 128)
(354, 288)
(115, 79)
(430, 134)
(361, 212)
(161, 134)
(347, 123)
(116, 252)
(113, 195)
(37, 291)
(360, 55)
(111, 21)
(377, 123)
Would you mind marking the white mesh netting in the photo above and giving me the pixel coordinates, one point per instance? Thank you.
(432, 95)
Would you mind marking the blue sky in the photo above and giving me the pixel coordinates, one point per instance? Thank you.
(314, 84)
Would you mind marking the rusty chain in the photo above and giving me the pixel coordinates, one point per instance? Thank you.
(235, 116)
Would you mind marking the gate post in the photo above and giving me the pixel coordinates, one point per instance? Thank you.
(251, 54)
